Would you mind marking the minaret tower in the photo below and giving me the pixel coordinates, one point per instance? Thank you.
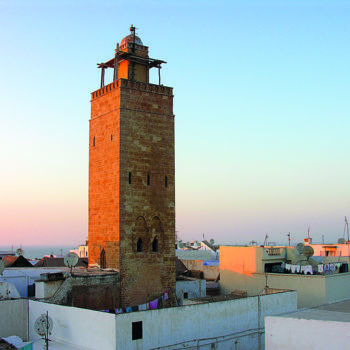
(132, 176)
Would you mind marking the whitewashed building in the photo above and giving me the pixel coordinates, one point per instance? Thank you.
(321, 328)
(231, 324)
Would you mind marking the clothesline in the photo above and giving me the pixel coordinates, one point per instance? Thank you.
(310, 270)
(152, 305)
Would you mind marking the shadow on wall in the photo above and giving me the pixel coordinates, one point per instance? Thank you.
(248, 282)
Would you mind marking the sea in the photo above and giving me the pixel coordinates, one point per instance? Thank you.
(37, 252)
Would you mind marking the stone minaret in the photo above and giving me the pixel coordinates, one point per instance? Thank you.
(132, 176)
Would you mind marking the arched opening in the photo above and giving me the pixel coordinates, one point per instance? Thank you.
(155, 245)
(139, 246)
(140, 241)
(157, 234)
(103, 259)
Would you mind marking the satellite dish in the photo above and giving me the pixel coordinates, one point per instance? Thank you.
(43, 325)
(71, 259)
(308, 251)
(2, 266)
(19, 252)
(299, 247)
(341, 241)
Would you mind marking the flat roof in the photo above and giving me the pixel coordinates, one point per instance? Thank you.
(337, 312)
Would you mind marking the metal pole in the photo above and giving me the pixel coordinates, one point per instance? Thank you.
(115, 75)
(133, 30)
(47, 331)
(259, 335)
(158, 75)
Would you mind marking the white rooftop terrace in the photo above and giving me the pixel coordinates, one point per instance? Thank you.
(320, 328)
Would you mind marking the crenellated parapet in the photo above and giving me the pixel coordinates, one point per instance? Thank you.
(135, 85)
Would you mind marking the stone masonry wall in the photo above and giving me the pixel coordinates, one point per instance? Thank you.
(139, 116)
(104, 176)
(147, 211)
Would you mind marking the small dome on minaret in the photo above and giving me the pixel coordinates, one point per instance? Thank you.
(130, 38)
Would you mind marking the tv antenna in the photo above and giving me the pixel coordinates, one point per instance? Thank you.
(346, 227)
(288, 235)
(265, 240)
(308, 231)
(43, 326)
(70, 260)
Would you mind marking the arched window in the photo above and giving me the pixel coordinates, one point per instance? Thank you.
(157, 234)
(103, 259)
(155, 245)
(139, 247)
(140, 241)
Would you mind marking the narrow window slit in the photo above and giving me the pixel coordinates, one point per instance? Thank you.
(129, 178)
(155, 245)
(139, 247)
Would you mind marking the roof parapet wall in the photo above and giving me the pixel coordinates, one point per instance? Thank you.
(136, 85)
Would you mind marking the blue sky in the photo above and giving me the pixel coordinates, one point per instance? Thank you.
(261, 106)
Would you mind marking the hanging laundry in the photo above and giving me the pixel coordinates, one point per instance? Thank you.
(302, 269)
(142, 307)
(308, 270)
(160, 302)
(154, 304)
(166, 296)
(331, 267)
(118, 311)
(320, 268)
(134, 308)
(298, 268)
(128, 309)
(293, 268)
(288, 267)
